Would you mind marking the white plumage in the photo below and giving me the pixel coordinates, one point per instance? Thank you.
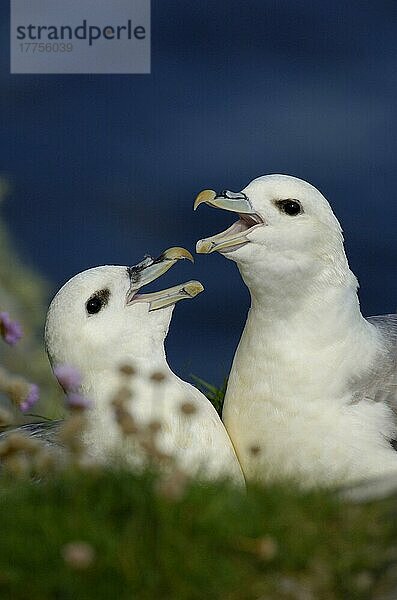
(313, 383)
(130, 328)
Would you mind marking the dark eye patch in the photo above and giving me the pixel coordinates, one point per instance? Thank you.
(289, 206)
(97, 301)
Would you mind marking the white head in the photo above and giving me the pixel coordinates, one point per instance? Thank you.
(286, 234)
(99, 318)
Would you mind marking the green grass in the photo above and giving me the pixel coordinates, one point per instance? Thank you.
(201, 546)
(214, 394)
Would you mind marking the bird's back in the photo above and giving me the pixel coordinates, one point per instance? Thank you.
(382, 382)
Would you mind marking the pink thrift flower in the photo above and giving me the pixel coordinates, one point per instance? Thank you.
(68, 377)
(31, 398)
(74, 400)
(11, 331)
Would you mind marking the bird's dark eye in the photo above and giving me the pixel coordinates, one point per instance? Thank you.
(94, 305)
(289, 207)
(97, 301)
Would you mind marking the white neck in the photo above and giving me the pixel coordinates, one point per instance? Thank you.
(102, 434)
(99, 383)
(291, 338)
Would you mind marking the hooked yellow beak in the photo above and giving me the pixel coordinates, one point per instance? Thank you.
(152, 268)
(232, 201)
(236, 236)
(176, 253)
(204, 197)
(171, 296)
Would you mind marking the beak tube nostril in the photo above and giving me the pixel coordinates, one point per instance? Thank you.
(232, 201)
(232, 195)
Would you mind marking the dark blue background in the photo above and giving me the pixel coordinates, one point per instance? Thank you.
(106, 167)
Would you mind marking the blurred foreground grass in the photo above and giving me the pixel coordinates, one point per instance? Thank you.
(25, 295)
(145, 541)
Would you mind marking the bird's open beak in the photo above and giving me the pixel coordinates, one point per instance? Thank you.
(170, 296)
(151, 269)
(235, 236)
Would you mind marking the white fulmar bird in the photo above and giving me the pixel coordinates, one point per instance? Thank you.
(312, 391)
(100, 320)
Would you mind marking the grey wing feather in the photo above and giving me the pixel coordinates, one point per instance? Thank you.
(383, 384)
(46, 431)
